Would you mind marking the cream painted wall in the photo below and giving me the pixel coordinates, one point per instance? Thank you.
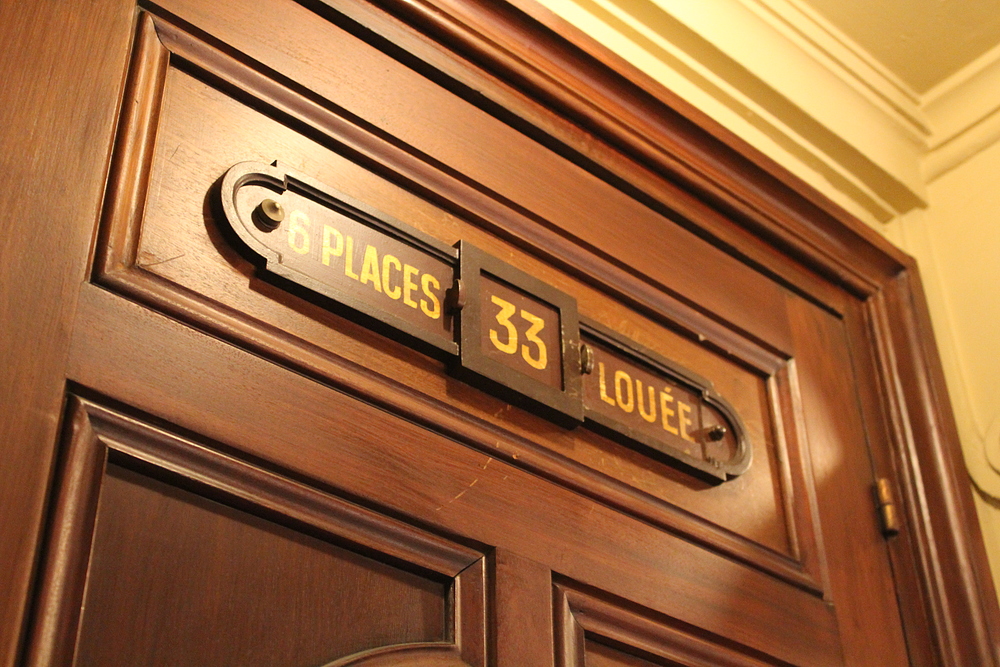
(923, 170)
(956, 241)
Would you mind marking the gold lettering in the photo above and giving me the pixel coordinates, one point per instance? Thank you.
(667, 412)
(537, 324)
(369, 269)
(604, 389)
(298, 235)
(685, 410)
(426, 281)
(387, 261)
(408, 285)
(349, 260)
(651, 416)
(621, 377)
(335, 250)
(503, 317)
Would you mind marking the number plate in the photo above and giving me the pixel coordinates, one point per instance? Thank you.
(519, 333)
(506, 331)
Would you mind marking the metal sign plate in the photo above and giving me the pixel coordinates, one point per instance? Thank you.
(520, 333)
(634, 395)
(336, 246)
(507, 332)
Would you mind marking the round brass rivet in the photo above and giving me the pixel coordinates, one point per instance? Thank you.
(269, 214)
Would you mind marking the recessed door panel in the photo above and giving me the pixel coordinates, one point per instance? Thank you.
(184, 555)
(176, 579)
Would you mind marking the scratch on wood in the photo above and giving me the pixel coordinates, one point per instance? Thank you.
(162, 261)
(460, 493)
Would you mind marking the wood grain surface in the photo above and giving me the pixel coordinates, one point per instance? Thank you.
(203, 465)
(61, 67)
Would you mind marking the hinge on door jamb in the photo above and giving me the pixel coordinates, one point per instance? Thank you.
(888, 514)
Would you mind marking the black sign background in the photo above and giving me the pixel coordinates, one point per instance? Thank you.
(324, 239)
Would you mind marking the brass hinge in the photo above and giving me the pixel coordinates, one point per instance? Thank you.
(887, 511)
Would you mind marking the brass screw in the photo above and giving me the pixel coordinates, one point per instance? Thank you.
(268, 215)
(717, 432)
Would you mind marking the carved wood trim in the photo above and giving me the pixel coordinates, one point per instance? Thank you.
(53, 637)
(583, 615)
(944, 546)
(798, 483)
(96, 435)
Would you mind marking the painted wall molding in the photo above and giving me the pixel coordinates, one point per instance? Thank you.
(755, 68)
(977, 425)
(781, 77)
(822, 41)
(964, 112)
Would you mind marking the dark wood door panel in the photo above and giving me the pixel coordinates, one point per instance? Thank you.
(189, 137)
(860, 581)
(249, 475)
(175, 579)
(61, 66)
(183, 555)
(464, 488)
(594, 629)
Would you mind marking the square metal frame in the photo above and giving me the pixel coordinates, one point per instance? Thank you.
(567, 402)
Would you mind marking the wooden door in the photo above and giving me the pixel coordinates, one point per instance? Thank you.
(210, 465)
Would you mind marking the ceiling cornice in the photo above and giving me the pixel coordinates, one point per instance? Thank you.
(964, 111)
(783, 78)
(845, 58)
(764, 72)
